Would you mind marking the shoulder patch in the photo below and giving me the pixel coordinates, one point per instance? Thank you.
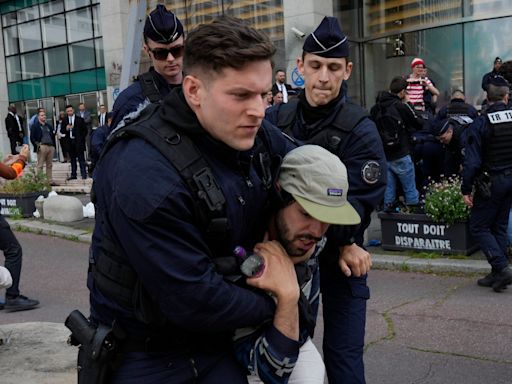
(370, 172)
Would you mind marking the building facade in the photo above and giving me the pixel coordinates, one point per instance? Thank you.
(58, 52)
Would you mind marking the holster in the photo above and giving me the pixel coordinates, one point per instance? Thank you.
(97, 348)
(483, 184)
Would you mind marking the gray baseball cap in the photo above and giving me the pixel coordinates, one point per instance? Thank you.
(318, 181)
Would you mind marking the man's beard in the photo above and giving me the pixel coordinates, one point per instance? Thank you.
(284, 237)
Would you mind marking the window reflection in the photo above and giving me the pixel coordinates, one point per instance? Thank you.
(28, 14)
(73, 4)
(79, 25)
(32, 65)
(54, 31)
(56, 61)
(11, 40)
(9, 19)
(30, 36)
(51, 8)
(82, 55)
(387, 16)
(13, 68)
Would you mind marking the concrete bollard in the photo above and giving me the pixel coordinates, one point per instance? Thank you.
(63, 209)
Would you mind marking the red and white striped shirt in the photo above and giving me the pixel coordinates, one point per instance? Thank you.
(415, 90)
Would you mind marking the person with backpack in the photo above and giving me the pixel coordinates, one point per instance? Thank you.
(163, 42)
(396, 120)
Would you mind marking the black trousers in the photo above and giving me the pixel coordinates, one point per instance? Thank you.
(13, 254)
(15, 141)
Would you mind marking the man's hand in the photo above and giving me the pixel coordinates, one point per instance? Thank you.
(354, 260)
(468, 200)
(10, 159)
(279, 275)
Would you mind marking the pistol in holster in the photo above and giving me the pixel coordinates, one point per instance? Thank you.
(483, 184)
(97, 347)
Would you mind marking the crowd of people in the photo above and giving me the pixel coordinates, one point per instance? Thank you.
(214, 273)
(423, 144)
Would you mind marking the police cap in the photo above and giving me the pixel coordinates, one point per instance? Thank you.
(162, 26)
(327, 40)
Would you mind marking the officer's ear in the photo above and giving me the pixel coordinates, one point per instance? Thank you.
(192, 87)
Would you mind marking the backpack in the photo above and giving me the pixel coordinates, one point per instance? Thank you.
(389, 124)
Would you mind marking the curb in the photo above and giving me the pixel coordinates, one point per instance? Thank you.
(379, 261)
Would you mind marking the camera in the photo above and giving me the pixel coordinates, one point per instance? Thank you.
(298, 33)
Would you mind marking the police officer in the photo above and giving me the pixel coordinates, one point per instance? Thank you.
(169, 209)
(322, 115)
(452, 136)
(495, 71)
(488, 167)
(163, 42)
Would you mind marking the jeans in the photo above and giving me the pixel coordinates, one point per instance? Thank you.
(401, 170)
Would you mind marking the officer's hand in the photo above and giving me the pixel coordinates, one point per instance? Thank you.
(468, 200)
(279, 275)
(354, 260)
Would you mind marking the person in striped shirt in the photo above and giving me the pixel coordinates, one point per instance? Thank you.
(418, 83)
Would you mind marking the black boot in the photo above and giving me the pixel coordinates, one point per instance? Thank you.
(502, 279)
(488, 280)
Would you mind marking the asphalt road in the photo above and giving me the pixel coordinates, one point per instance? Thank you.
(420, 328)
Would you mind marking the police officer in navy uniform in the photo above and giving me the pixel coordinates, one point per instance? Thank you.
(154, 256)
(322, 115)
(163, 42)
(488, 168)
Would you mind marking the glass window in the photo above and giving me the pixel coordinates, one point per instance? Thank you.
(440, 48)
(58, 85)
(387, 16)
(11, 40)
(9, 19)
(56, 61)
(487, 7)
(83, 81)
(98, 45)
(79, 25)
(82, 56)
(51, 8)
(33, 89)
(54, 31)
(32, 65)
(15, 91)
(96, 22)
(28, 14)
(30, 36)
(347, 13)
(73, 4)
(494, 35)
(13, 68)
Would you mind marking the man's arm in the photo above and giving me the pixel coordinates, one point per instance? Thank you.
(363, 155)
(272, 352)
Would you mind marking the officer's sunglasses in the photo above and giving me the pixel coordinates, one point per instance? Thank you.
(162, 53)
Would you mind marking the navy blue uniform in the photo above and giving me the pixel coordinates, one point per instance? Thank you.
(489, 215)
(133, 97)
(344, 299)
(147, 210)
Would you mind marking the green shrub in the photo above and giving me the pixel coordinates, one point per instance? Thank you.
(29, 181)
(444, 202)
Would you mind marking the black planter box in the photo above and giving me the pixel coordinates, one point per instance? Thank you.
(24, 204)
(418, 232)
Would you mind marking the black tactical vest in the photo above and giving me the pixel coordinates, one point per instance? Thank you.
(497, 149)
